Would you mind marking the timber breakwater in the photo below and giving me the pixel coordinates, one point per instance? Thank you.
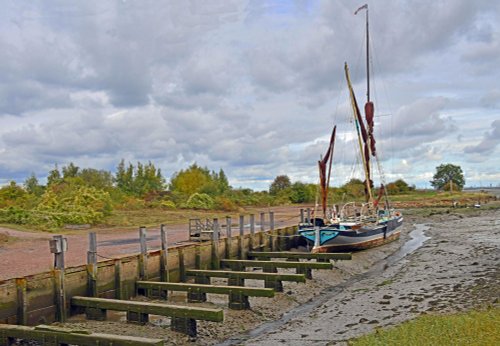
(135, 287)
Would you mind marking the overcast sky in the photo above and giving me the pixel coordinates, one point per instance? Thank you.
(252, 87)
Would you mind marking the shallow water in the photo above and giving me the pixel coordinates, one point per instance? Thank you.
(418, 238)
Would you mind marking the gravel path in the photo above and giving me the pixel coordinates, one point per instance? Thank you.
(27, 253)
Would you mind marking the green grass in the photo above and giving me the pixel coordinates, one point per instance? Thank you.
(471, 328)
(155, 217)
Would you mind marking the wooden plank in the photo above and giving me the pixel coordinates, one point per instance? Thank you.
(149, 308)
(60, 335)
(247, 275)
(278, 264)
(185, 287)
(301, 255)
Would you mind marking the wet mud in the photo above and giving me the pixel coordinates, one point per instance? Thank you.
(442, 263)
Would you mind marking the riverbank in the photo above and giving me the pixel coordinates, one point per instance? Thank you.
(454, 269)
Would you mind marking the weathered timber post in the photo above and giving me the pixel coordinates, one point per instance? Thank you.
(282, 237)
(301, 215)
(163, 254)
(143, 257)
(195, 296)
(197, 257)
(308, 215)
(228, 237)
(22, 302)
(58, 245)
(119, 294)
(275, 284)
(182, 267)
(237, 300)
(262, 220)
(92, 266)
(271, 220)
(215, 246)
(241, 253)
(252, 231)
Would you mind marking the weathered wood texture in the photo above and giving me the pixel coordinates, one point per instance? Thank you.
(276, 264)
(206, 314)
(215, 289)
(51, 335)
(35, 304)
(301, 255)
(246, 275)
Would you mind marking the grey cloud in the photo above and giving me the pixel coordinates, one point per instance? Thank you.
(421, 119)
(491, 99)
(489, 142)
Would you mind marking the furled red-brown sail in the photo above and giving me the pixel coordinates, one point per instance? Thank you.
(369, 114)
(324, 180)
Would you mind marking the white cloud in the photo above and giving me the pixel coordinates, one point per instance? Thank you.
(252, 87)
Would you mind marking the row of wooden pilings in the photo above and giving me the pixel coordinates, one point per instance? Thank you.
(58, 246)
(249, 245)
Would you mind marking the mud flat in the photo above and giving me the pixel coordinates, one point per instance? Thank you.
(443, 263)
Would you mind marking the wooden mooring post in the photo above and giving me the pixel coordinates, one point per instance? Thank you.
(228, 237)
(22, 302)
(215, 246)
(241, 252)
(92, 266)
(58, 246)
(271, 220)
(163, 254)
(119, 291)
(252, 231)
(301, 215)
(143, 257)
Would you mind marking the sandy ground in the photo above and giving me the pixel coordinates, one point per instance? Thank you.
(443, 263)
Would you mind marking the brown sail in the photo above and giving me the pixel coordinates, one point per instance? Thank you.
(324, 179)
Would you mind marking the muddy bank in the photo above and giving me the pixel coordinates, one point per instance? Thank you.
(455, 269)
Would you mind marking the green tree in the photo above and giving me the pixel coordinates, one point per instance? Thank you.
(32, 186)
(140, 180)
(397, 187)
(54, 176)
(354, 188)
(124, 177)
(189, 181)
(99, 179)
(280, 183)
(448, 174)
(70, 171)
(301, 193)
(11, 194)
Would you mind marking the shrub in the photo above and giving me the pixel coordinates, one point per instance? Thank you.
(200, 201)
(224, 203)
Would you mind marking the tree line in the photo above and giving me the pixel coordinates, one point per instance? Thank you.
(74, 195)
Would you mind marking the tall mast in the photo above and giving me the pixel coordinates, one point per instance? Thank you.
(361, 133)
(367, 58)
(365, 7)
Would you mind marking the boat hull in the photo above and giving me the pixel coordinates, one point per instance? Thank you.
(333, 238)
